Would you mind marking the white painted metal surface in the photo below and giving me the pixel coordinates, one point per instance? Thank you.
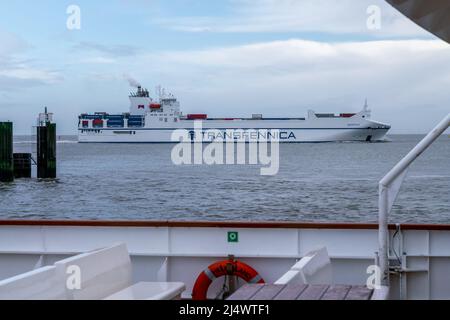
(313, 268)
(179, 254)
(291, 131)
(432, 15)
(150, 291)
(101, 272)
(41, 284)
(389, 187)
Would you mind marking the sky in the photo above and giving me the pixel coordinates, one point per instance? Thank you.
(226, 58)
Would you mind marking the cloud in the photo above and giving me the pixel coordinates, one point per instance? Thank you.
(289, 56)
(29, 74)
(98, 60)
(327, 16)
(17, 72)
(102, 77)
(404, 80)
(11, 44)
(108, 50)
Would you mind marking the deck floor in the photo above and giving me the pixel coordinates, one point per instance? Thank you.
(301, 292)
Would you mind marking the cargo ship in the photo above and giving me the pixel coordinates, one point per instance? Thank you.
(154, 120)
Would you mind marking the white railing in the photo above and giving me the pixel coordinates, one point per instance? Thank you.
(389, 187)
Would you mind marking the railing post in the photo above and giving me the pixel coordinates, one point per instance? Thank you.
(389, 187)
(383, 234)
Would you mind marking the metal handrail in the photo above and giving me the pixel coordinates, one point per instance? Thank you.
(389, 187)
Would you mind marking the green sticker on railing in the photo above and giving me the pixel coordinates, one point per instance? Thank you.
(233, 236)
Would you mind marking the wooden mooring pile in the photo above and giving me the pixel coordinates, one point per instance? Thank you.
(18, 165)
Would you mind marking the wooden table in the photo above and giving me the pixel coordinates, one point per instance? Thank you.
(301, 292)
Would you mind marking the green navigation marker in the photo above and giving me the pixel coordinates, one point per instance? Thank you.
(233, 236)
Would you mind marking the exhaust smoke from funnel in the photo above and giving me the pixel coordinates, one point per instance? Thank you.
(133, 82)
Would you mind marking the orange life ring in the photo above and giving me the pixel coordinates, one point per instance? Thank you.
(223, 268)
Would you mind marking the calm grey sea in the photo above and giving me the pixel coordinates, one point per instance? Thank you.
(316, 182)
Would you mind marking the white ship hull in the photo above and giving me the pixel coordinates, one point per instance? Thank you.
(286, 135)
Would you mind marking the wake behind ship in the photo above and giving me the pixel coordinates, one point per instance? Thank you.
(153, 121)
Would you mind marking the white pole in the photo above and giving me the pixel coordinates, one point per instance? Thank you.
(383, 234)
(385, 202)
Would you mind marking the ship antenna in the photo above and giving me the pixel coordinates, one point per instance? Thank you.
(158, 90)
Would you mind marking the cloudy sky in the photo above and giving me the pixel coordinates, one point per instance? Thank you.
(225, 58)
